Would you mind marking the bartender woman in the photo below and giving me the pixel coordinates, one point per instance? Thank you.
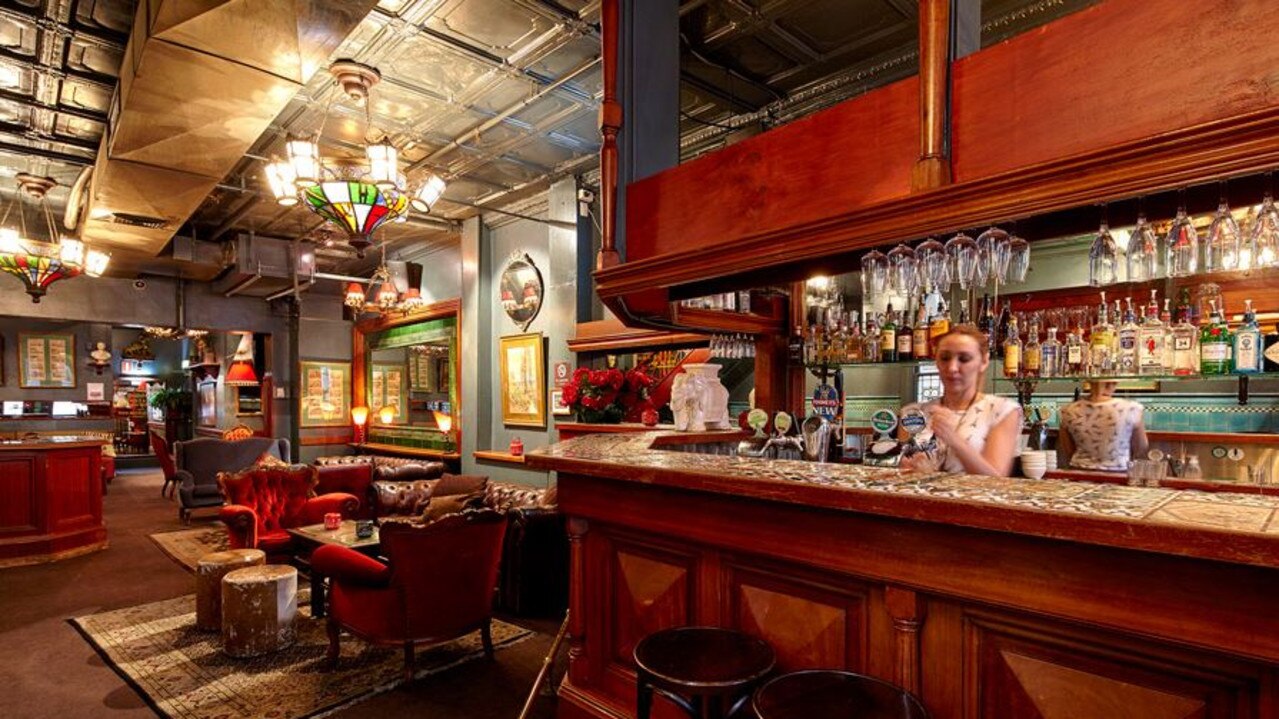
(1101, 431)
(977, 432)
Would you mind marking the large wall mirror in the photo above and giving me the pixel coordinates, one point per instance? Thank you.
(407, 373)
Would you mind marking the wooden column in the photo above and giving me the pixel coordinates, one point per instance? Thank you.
(933, 167)
(907, 610)
(610, 126)
(579, 668)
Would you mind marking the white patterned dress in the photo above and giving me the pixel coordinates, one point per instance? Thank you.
(1102, 432)
(974, 424)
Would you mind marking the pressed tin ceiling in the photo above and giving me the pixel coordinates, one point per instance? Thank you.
(498, 96)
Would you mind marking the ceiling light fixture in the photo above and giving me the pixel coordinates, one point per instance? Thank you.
(379, 296)
(358, 196)
(40, 263)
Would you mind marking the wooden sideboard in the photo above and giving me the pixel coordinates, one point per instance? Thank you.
(988, 597)
(50, 500)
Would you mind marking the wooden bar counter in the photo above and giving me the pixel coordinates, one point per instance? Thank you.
(989, 597)
(50, 499)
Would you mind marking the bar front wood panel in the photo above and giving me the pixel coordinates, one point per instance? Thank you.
(1110, 74)
(981, 623)
(50, 503)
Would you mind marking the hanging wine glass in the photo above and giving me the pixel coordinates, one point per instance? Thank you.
(961, 251)
(1143, 252)
(1182, 246)
(1103, 259)
(931, 256)
(992, 246)
(903, 271)
(1262, 247)
(1221, 247)
(874, 274)
(1018, 259)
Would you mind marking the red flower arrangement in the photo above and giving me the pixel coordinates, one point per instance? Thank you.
(608, 395)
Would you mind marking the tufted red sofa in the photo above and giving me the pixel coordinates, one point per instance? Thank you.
(265, 501)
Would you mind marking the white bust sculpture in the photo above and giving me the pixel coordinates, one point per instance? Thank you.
(100, 354)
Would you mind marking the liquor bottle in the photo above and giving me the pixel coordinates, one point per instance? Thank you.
(1012, 349)
(905, 338)
(1032, 352)
(1247, 343)
(1165, 318)
(1075, 354)
(888, 337)
(1270, 357)
(1050, 358)
(922, 341)
(870, 340)
(1001, 328)
(986, 323)
(1151, 341)
(1214, 344)
(1127, 341)
(1185, 344)
(795, 349)
(810, 346)
(1101, 343)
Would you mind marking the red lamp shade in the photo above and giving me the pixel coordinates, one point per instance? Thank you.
(354, 296)
(241, 374)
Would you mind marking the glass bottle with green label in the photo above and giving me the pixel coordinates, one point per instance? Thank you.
(1214, 344)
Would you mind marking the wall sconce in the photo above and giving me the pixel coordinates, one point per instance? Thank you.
(359, 417)
(386, 414)
(444, 422)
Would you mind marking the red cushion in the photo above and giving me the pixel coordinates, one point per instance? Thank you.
(375, 613)
(275, 542)
(277, 495)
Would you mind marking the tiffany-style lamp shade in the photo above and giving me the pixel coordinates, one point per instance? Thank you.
(38, 265)
(355, 206)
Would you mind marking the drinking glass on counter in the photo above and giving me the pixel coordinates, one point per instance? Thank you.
(1146, 473)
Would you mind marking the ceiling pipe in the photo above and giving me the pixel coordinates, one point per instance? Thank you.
(341, 278)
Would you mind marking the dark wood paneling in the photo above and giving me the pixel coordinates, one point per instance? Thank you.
(72, 501)
(19, 508)
(652, 589)
(1055, 93)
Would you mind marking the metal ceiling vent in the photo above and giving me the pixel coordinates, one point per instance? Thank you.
(124, 218)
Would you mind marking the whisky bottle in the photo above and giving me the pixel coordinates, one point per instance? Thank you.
(1001, 328)
(888, 337)
(905, 338)
(1032, 352)
(1012, 349)
(922, 343)
(1214, 344)
(1247, 343)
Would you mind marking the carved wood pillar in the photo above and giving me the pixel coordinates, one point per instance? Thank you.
(933, 167)
(578, 670)
(907, 611)
(610, 126)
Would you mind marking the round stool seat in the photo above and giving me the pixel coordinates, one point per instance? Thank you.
(830, 694)
(258, 608)
(209, 571)
(692, 664)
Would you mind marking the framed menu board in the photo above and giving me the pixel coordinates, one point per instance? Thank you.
(325, 398)
(387, 388)
(46, 360)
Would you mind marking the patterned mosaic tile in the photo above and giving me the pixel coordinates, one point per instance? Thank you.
(1191, 509)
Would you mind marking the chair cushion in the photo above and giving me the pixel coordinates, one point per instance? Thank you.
(275, 541)
(460, 484)
(267, 459)
(399, 498)
(406, 473)
(439, 507)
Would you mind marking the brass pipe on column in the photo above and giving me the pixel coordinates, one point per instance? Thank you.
(935, 29)
(610, 126)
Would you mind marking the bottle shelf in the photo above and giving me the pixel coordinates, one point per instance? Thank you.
(1139, 377)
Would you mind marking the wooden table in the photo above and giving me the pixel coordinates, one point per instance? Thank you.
(313, 536)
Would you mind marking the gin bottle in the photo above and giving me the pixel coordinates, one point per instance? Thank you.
(1050, 355)
(1128, 332)
(1185, 345)
(1247, 343)
(1151, 341)
(1214, 345)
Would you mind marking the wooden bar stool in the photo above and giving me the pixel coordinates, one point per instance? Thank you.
(706, 671)
(831, 694)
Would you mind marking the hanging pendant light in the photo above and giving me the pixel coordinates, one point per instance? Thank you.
(40, 263)
(242, 373)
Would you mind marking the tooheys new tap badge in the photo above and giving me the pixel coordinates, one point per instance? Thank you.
(826, 401)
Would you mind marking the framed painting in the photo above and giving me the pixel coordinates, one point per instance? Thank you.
(46, 360)
(207, 397)
(325, 396)
(558, 408)
(523, 374)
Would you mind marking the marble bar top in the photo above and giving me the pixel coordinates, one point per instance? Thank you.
(1239, 528)
(50, 442)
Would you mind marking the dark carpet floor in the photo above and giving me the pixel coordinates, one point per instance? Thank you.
(50, 671)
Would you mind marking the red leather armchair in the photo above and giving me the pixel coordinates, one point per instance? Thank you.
(265, 501)
(438, 583)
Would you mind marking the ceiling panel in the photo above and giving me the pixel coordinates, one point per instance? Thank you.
(498, 27)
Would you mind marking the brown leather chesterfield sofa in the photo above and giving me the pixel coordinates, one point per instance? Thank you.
(356, 473)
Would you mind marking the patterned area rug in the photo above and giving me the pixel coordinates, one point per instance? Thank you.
(183, 673)
(186, 546)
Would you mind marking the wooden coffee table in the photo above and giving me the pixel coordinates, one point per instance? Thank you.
(312, 536)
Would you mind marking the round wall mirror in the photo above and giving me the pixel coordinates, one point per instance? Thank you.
(521, 290)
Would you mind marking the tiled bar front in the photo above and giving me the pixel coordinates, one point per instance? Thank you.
(989, 597)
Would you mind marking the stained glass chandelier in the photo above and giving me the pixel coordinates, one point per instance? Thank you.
(357, 196)
(41, 263)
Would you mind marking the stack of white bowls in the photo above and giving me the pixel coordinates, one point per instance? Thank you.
(1050, 455)
(1034, 463)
